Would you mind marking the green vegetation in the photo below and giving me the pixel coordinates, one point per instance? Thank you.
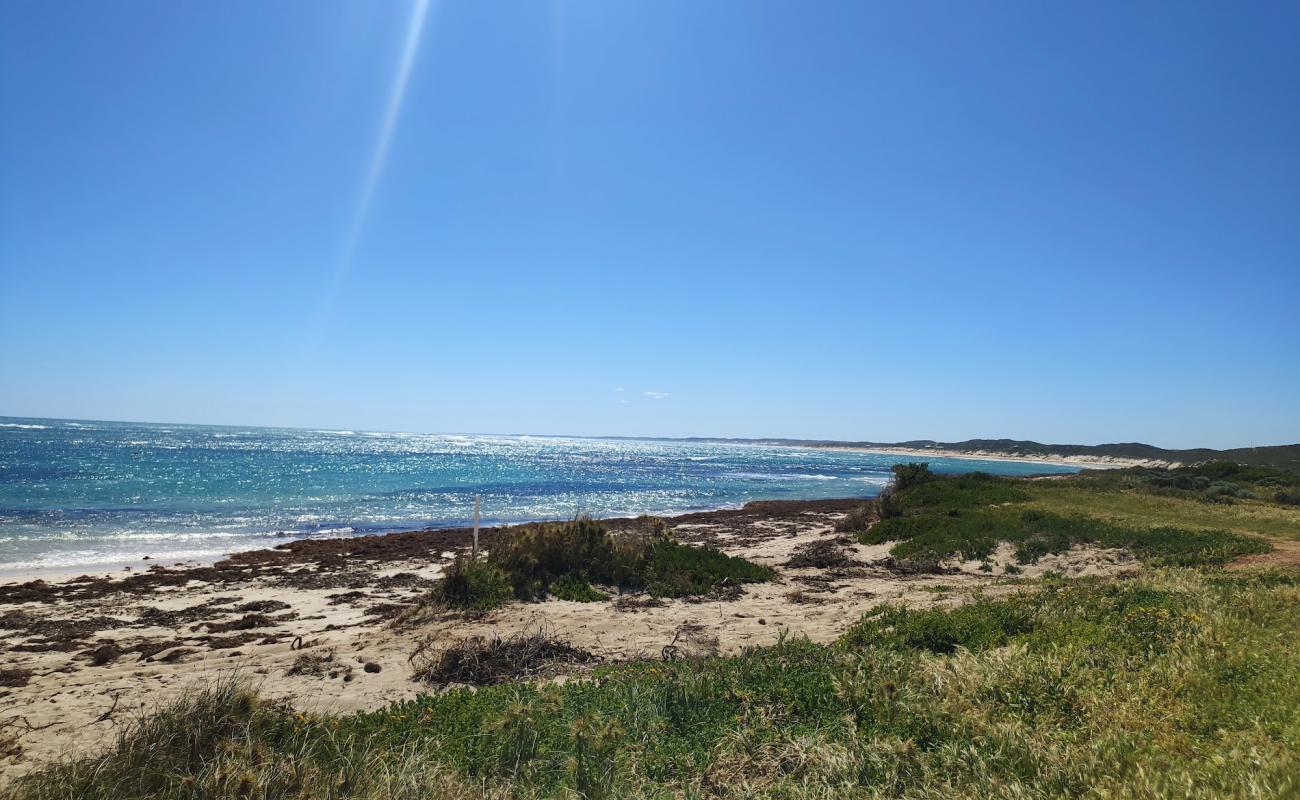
(1140, 509)
(474, 584)
(1286, 456)
(672, 569)
(564, 560)
(1174, 684)
(908, 475)
(888, 504)
(1212, 482)
(1176, 681)
(573, 588)
(968, 515)
(1142, 498)
(975, 535)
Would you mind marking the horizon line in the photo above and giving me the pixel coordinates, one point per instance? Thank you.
(772, 440)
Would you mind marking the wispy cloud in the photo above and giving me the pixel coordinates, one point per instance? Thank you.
(387, 126)
(374, 170)
(656, 395)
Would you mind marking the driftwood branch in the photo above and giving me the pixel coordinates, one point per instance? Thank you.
(107, 715)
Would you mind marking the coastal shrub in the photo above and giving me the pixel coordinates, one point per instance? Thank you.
(572, 587)
(567, 560)
(975, 534)
(1288, 498)
(673, 569)
(968, 515)
(957, 492)
(1177, 547)
(475, 584)
(859, 519)
(1222, 482)
(909, 474)
(535, 556)
(888, 505)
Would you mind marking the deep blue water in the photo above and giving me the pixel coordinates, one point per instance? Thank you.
(76, 494)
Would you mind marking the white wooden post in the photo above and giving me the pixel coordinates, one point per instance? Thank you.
(476, 516)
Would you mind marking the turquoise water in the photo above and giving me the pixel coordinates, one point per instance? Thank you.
(84, 494)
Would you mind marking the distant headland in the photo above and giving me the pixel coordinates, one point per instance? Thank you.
(1123, 454)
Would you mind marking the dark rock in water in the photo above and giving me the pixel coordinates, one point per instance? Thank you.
(372, 667)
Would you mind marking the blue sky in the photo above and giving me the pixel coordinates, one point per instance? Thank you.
(856, 220)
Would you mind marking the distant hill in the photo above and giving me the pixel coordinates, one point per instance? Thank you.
(1285, 456)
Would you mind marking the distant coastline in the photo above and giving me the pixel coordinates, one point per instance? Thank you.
(1086, 461)
(1111, 455)
(185, 492)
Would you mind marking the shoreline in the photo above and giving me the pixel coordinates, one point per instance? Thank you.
(332, 625)
(1088, 462)
(372, 543)
(127, 566)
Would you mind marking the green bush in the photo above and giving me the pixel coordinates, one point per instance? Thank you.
(957, 492)
(1288, 498)
(565, 559)
(473, 584)
(909, 475)
(572, 587)
(673, 569)
(1212, 481)
(888, 506)
(535, 556)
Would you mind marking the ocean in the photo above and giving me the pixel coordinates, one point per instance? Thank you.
(85, 494)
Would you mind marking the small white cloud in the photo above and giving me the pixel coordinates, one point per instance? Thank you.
(618, 388)
(656, 395)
